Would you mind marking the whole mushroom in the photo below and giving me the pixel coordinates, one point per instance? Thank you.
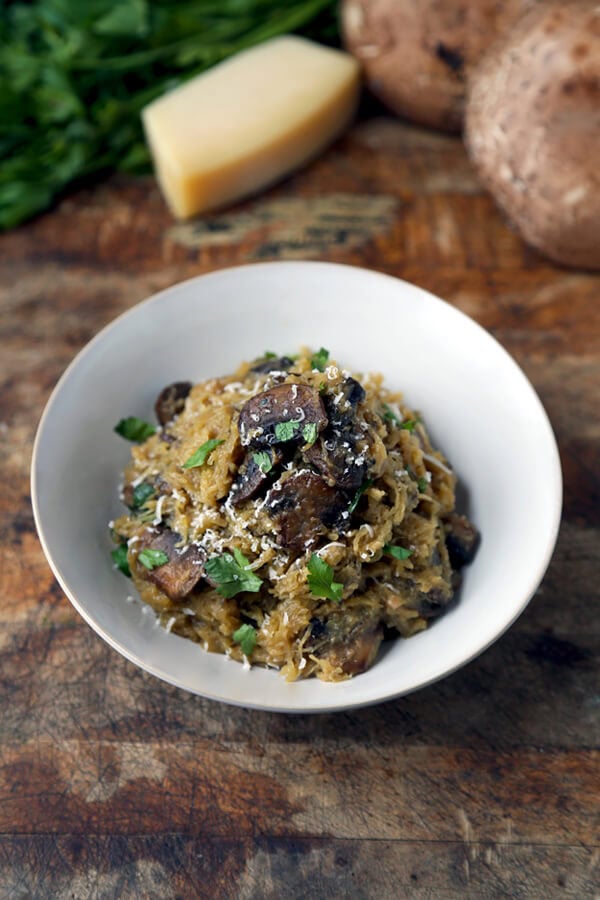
(533, 129)
(417, 55)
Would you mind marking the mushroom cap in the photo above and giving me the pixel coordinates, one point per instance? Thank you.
(417, 56)
(533, 129)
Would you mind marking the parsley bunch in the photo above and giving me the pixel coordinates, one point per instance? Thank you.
(74, 76)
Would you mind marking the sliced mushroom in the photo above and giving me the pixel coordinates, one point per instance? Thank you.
(432, 604)
(296, 405)
(177, 577)
(251, 477)
(318, 629)
(353, 394)
(348, 640)
(336, 455)
(462, 540)
(304, 507)
(171, 400)
(358, 653)
(273, 364)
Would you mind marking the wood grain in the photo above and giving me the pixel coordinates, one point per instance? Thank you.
(484, 785)
(173, 866)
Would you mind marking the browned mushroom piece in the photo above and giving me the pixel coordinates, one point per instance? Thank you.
(171, 400)
(294, 405)
(305, 507)
(254, 475)
(462, 540)
(349, 640)
(127, 496)
(335, 455)
(432, 604)
(177, 577)
(358, 652)
(273, 364)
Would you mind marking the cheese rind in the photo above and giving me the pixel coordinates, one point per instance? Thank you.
(249, 121)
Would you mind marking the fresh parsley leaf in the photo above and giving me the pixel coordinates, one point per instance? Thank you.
(202, 453)
(263, 461)
(119, 558)
(141, 493)
(309, 432)
(390, 416)
(245, 636)
(409, 424)
(319, 360)
(320, 580)
(231, 574)
(285, 431)
(364, 486)
(422, 485)
(397, 552)
(134, 429)
(152, 559)
(268, 354)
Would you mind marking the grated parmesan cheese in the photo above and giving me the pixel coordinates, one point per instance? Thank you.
(158, 511)
(436, 462)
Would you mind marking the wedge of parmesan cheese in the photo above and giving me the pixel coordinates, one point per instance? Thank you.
(249, 121)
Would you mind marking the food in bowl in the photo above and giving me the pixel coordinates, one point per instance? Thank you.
(291, 515)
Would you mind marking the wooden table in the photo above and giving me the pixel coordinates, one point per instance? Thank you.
(485, 785)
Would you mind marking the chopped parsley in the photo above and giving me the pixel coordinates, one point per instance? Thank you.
(309, 433)
(231, 574)
(141, 493)
(422, 485)
(364, 486)
(152, 559)
(389, 415)
(134, 429)
(320, 580)
(397, 552)
(119, 558)
(409, 424)
(268, 354)
(245, 636)
(263, 461)
(319, 360)
(202, 453)
(285, 431)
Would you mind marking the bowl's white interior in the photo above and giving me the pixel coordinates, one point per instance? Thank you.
(476, 402)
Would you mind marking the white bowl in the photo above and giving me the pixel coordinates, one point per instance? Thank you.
(476, 402)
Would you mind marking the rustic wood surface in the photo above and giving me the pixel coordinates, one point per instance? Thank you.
(485, 785)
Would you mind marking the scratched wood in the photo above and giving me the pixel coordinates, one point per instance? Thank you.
(485, 785)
